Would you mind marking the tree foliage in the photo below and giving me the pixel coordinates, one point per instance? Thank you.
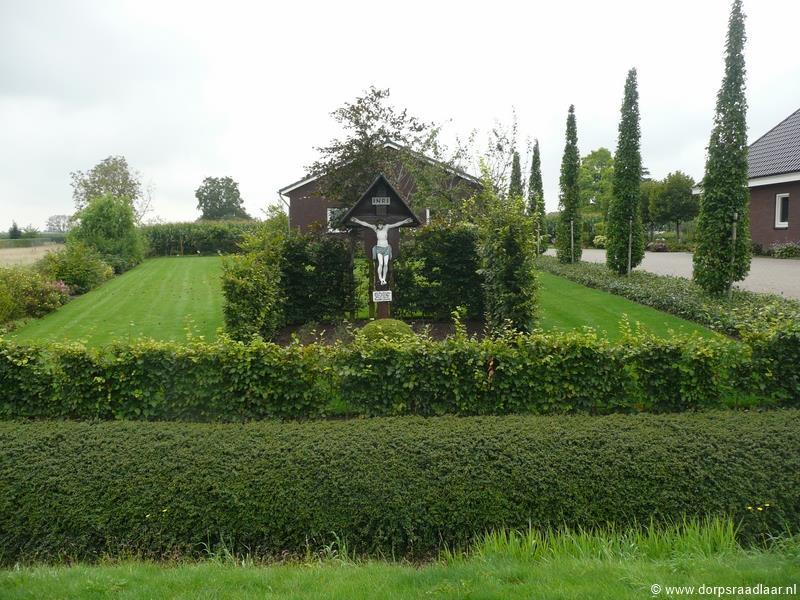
(718, 261)
(536, 188)
(107, 224)
(219, 198)
(380, 138)
(568, 231)
(650, 189)
(111, 177)
(507, 250)
(674, 203)
(14, 232)
(624, 231)
(596, 181)
(515, 182)
(59, 223)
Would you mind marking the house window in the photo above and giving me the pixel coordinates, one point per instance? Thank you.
(334, 214)
(781, 211)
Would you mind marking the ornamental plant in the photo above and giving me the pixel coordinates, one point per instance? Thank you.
(624, 231)
(723, 249)
(568, 230)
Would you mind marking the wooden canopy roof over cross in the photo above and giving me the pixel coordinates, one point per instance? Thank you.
(381, 202)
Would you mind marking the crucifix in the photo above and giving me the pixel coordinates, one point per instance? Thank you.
(381, 209)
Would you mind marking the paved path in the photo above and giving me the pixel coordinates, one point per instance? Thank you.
(773, 275)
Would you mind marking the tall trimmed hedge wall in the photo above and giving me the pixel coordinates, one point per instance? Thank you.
(196, 237)
(399, 487)
(553, 373)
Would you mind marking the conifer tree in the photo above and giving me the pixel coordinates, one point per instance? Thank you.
(515, 183)
(536, 193)
(624, 230)
(568, 231)
(722, 255)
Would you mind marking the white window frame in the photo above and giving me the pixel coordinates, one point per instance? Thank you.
(778, 223)
(328, 219)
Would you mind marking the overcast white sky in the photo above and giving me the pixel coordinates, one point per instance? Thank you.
(189, 90)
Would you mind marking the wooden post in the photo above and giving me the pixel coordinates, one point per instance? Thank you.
(571, 241)
(630, 243)
(371, 304)
(733, 251)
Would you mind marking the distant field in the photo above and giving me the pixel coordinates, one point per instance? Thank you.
(166, 297)
(162, 298)
(25, 256)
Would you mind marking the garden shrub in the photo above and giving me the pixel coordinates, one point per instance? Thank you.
(786, 250)
(77, 265)
(285, 278)
(507, 249)
(198, 237)
(404, 487)
(253, 302)
(776, 361)
(28, 293)
(107, 225)
(316, 278)
(389, 329)
(438, 271)
(599, 241)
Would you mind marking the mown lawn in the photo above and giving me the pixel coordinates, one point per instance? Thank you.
(165, 298)
(566, 305)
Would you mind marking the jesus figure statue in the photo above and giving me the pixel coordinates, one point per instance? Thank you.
(382, 251)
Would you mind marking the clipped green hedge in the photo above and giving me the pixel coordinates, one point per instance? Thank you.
(217, 381)
(396, 487)
(226, 380)
(196, 237)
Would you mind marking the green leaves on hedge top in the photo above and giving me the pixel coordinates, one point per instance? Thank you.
(399, 487)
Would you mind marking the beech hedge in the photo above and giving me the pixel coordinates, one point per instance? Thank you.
(197, 237)
(402, 487)
(536, 373)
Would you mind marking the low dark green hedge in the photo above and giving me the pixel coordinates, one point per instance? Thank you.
(397, 486)
(539, 373)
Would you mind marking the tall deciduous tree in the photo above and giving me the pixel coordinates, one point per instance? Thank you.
(568, 231)
(219, 198)
(650, 190)
(515, 182)
(675, 204)
(722, 255)
(58, 223)
(536, 192)
(14, 232)
(624, 231)
(110, 177)
(596, 181)
(380, 138)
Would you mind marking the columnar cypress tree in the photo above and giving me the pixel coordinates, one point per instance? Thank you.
(515, 183)
(535, 188)
(624, 225)
(718, 260)
(570, 217)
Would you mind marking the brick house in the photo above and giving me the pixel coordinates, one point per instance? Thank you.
(774, 182)
(309, 210)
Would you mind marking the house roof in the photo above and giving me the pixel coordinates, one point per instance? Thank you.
(777, 151)
(395, 146)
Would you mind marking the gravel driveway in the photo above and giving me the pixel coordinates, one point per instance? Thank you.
(773, 275)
